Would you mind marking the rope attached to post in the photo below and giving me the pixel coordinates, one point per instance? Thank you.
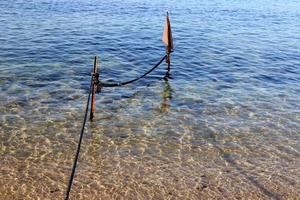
(95, 81)
(79, 144)
(96, 85)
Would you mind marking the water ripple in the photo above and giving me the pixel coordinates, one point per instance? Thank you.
(225, 127)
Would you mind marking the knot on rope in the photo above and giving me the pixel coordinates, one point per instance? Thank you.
(99, 87)
(96, 82)
(95, 78)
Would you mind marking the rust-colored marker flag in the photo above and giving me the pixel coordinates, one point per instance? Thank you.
(167, 34)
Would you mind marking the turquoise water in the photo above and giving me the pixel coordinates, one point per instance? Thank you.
(225, 127)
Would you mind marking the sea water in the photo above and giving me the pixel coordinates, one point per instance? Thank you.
(226, 126)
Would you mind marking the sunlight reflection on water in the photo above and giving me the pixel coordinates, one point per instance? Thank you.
(226, 126)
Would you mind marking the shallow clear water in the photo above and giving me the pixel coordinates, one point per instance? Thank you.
(225, 127)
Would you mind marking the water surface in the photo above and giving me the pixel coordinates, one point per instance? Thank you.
(225, 127)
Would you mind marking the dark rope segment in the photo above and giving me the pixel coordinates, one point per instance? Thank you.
(133, 80)
(79, 144)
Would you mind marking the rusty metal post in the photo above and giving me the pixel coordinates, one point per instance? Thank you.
(168, 61)
(94, 89)
(167, 38)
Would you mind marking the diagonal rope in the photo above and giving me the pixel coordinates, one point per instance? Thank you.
(133, 80)
(79, 145)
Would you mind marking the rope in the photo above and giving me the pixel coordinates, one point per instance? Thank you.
(95, 80)
(79, 145)
(133, 80)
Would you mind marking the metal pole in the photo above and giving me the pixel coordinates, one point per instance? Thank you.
(94, 89)
(168, 49)
(168, 61)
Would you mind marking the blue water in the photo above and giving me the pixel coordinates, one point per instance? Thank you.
(226, 125)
